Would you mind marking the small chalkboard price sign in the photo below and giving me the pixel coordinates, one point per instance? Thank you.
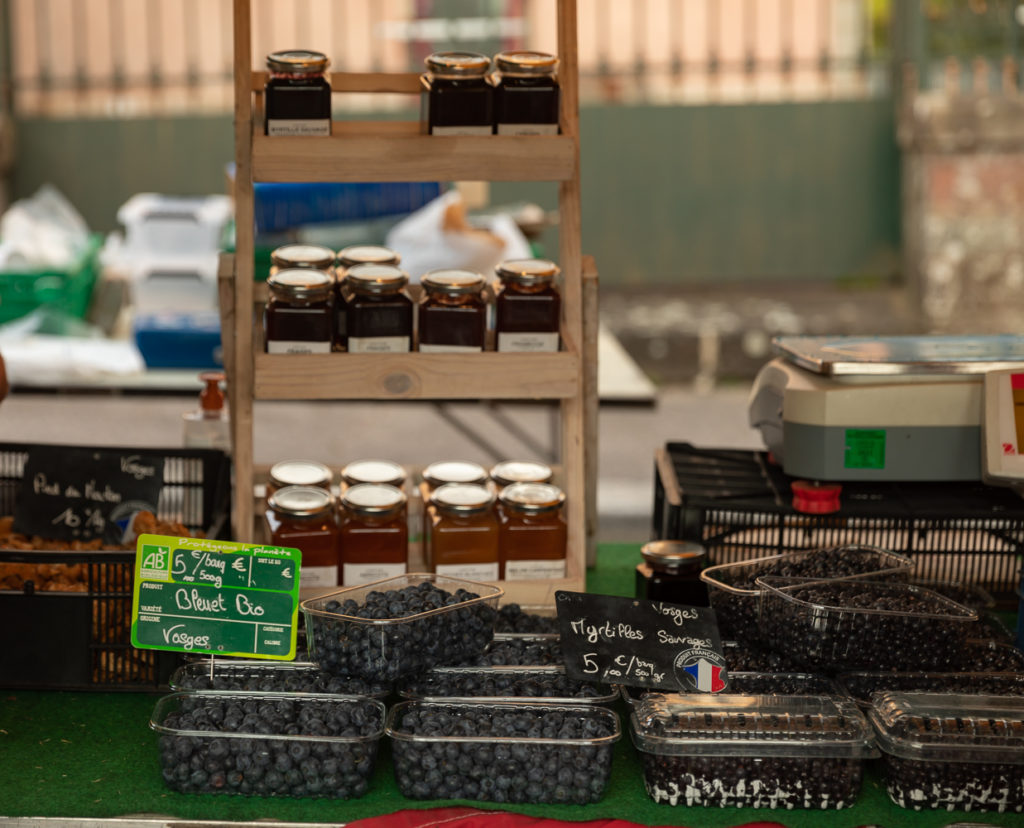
(76, 493)
(216, 597)
(616, 640)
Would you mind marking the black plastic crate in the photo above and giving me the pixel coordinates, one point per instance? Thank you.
(739, 505)
(82, 639)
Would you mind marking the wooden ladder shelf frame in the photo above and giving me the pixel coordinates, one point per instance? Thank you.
(397, 151)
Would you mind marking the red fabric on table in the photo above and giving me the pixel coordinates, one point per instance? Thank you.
(472, 818)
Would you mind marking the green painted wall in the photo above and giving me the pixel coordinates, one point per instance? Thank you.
(691, 194)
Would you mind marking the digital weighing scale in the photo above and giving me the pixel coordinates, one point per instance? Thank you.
(837, 408)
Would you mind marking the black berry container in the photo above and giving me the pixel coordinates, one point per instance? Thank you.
(519, 650)
(736, 751)
(507, 684)
(215, 675)
(387, 629)
(985, 656)
(517, 753)
(949, 751)
(733, 591)
(758, 684)
(268, 745)
(841, 625)
(861, 686)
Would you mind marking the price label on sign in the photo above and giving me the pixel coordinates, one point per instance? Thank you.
(640, 643)
(216, 597)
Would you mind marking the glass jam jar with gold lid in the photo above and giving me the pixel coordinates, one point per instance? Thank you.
(671, 572)
(302, 517)
(452, 312)
(299, 315)
(528, 309)
(533, 533)
(464, 532)
(458, 98)
(526, 93)
(297, 95)
(348, 257)
(373, 538)
(379, 311)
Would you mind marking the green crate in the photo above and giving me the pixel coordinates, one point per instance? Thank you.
(66, 290)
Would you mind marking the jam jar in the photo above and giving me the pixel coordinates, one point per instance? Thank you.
(302, 255)
(373, 471)
(297, 94)
(350, 257)
(533, 534)
(302, 517)
(453, 312)
(458, 98)
(671, 572)
(464, 532)
(373, 538)
(299, 316)
(526, 93)
(529, 307)
(453, 471)
(379, 311)
(508, 472)
(299, 473)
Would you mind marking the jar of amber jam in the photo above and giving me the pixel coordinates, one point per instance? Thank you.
(526, 93)
(373, 471)
(533, 532)
(452, 313)
(379, 311)
(297, 95)
(299, 473)
(299, 316)
(671, 572)
(458, 98)
(529, 307)
(302, 517)
(348, 257)
(373, 538)
(464, 532)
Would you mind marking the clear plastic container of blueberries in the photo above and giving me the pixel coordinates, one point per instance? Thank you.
(500, 752)
(733, 591)
(970, 595)
(268, 744)
(843, 625)
(757, 684)
(985, 656)
(387, 629)
(738, 751)
(861, 686)
(549, 685)
(519, 650)
(991, 626)
(951, 751)
(238, 676)
(526, 619)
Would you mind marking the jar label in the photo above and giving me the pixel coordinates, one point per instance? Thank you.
(527, 129)
(462, 130)
(298, 126)
(469, 571)
(291, 346)
(533, 342)
(449, 349)
(378, 344)
(363, 573)
(534, 570)
(318, 576)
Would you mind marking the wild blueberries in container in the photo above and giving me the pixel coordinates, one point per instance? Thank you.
(513, 650)
(518, 753)
(861, 686)
(387, 629)
(271, 745)
(513, 618)
(548, 684)
(270, 677)
(759, 684)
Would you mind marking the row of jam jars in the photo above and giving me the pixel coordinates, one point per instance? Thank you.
(463, 97)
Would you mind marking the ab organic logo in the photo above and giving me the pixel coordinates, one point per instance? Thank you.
(156, 562)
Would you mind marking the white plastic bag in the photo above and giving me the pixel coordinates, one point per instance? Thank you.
(43, 231)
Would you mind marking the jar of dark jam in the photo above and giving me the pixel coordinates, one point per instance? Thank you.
(348, 257)
(533, 534)
(453, 312)
(671, 572)
(464, 532)
(299, 316)
(297, 96)
(529, 307)
(379, 311)
(299, 473)
(302, 517)
(458, 98)
(373, 538)
(526, 93)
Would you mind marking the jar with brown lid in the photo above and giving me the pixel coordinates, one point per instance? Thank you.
(529, 307)
(302, 517)
(373, 539)
(464, 532)
(379, 317)
(452, 312)
(526, 93)
(299, 473)
(671, 572)
(349, 257)
(299, 316)
(533, 534)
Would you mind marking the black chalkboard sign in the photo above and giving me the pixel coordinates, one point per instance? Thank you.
(75, 493)
(638, 643)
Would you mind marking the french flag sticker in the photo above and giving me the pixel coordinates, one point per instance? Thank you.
(706, 676)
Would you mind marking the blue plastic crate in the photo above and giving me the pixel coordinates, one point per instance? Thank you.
(179, 340)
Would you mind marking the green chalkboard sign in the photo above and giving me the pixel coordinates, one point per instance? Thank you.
(217, 597)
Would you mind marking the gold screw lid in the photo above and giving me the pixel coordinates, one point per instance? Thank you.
(524, 63)
(532, 498)
(373, 499)
(454, 471)
(302, 283)
(376, 278)
(300, 473)
(373, 471)
(457, 64)
(528, 271)
(357, 254)
(301, 501)
(453, 282)
(303, 255)
(520, 471)
(672, 555)
(297, 62)
(462, 498)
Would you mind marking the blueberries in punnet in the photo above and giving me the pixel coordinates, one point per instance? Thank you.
(862, 685)
(519, 652)
(283, 678)
(484, 683)
(513, 619)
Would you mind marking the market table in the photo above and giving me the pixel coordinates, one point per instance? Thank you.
(92, 755)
